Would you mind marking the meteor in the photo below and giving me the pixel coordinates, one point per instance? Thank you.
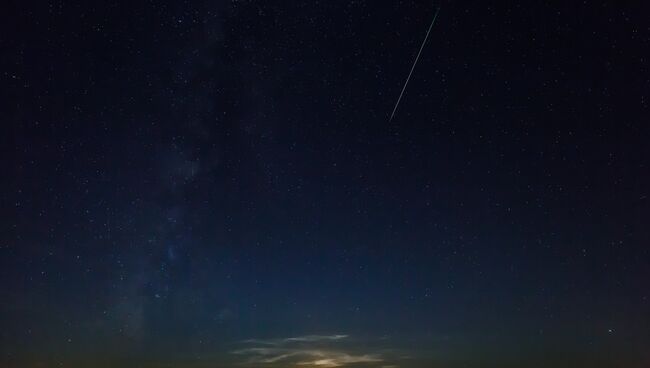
(413, 66)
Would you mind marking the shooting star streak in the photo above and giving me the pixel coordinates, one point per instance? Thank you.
(413, 66)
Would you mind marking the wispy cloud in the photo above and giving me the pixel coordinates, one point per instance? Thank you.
(315, 338)
(298, 339)
(337, 359)
(327, 351)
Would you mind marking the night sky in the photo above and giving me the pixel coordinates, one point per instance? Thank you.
(217, 184)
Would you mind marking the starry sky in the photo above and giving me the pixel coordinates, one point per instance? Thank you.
(217, 184)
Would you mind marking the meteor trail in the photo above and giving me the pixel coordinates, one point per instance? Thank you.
(413, 66)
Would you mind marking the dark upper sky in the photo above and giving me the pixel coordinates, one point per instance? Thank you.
(217, 184)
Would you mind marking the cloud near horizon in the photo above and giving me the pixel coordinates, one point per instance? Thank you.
(298, 339)
(327, 351)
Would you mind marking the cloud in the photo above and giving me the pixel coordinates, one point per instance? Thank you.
(327, 351)
(303, 356)
(314, 338)
(337, 359)
(299, 339)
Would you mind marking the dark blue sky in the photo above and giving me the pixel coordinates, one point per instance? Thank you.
(211, 184)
